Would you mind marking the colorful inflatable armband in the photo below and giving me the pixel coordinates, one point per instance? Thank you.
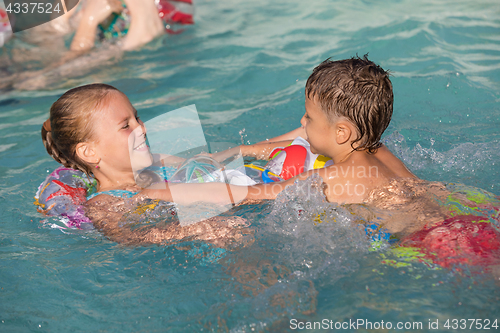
(292, 160)
(62, 194)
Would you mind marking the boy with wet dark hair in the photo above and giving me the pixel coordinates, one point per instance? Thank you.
(358, 90)
(348, 107)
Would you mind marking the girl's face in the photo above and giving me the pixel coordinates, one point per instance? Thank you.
(121, 136)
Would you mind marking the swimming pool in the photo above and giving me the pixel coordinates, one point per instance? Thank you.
(244, 65)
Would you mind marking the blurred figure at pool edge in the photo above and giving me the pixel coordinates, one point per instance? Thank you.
(145, 24)
(121, 26)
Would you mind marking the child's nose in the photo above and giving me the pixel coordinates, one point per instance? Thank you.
(139, 123)
(303, 120)
(143, 126)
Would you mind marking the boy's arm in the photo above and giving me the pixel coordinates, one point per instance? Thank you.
(217, 193)
(288, 136)
(262, 150)
(259, 151)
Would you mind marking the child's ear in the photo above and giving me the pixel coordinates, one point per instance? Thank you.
(343, 132)
(86, 152)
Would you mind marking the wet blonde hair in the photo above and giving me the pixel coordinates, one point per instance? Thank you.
(70, 122)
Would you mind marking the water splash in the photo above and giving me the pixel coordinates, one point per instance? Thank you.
(334, 241)
(468, 162)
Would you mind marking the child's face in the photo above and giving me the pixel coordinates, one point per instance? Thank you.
(320, 132)
(121, 136)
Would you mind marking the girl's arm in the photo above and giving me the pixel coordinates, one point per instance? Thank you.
(218, 193)
(271, 190)
(113, 217)
(109, 214)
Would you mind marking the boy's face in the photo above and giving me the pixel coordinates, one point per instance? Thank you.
(320, 132)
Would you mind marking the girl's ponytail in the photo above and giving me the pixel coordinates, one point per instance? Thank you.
(51, 147)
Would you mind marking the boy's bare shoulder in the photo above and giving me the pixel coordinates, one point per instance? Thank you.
(387, 158)
(349, 170)
(353, 180)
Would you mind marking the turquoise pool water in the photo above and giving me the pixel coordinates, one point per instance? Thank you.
(244, 64)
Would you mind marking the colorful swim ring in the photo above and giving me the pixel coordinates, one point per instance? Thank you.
(65, 190)
(470, 236)
(463, 239)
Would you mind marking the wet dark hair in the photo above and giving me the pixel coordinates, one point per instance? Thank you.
(70, 123)
(358, 90)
